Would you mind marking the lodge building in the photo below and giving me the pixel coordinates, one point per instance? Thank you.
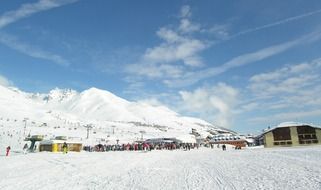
(292, 134)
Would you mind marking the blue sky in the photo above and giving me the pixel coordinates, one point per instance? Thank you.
(244, 65)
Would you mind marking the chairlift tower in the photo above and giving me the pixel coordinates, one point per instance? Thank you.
(142, 134)
(113, 126)
(88, 127)
(25, 127)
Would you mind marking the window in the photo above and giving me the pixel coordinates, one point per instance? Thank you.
(307, 135)
(305, 129)
(281, 134)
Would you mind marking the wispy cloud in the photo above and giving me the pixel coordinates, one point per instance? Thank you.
(245, 59)
(4, 81)
(179, 46)
(285, 116)
(291, 92)
(31, 50)
(185, 11)
(296, 83)
(29, 9)
(26, 10)
(156, 71)
(279, 22)
(219, 31)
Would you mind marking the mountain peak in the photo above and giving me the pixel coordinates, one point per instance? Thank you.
(60, 95)
(96, 93)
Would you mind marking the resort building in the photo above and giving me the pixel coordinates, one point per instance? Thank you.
(231, 139)
(291, 134)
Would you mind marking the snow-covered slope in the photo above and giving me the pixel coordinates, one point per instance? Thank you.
(66, 112)
(202, 169)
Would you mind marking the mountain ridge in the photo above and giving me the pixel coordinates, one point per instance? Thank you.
(66, 112)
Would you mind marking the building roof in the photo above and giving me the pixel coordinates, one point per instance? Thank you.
(291, 124)
(49, 142)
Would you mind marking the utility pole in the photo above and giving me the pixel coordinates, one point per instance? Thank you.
(25, 127)
(142, 133)
(88, 127)
(113, 129)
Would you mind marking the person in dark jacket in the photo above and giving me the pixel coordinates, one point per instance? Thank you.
(8, 150)
(224, 147)
(25, 148)
(65, 148)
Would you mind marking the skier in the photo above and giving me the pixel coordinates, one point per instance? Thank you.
(8, 150)
(65, 148)
(25, 148)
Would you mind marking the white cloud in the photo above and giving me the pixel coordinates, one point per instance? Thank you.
(215, 103)
(169, 35)
(286, 80)
(5, 82)
(178, 51)
(286, 71)
(28, 9)
(176, 48)
(291, 92)
(186, 26)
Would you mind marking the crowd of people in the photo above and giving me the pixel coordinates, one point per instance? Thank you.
(135, 147)
(140, 147)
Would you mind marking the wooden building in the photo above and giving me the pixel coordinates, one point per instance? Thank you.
(292, 134)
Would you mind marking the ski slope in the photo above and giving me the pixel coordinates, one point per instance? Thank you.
(283, 168)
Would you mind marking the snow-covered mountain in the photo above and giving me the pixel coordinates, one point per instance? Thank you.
(66, 112)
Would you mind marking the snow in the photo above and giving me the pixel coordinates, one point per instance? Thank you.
(65, 112)
(204, 168)
(293, 124)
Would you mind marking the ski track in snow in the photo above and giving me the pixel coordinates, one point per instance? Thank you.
(285, 168)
